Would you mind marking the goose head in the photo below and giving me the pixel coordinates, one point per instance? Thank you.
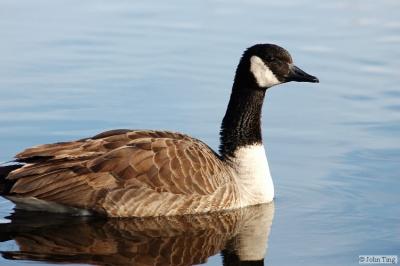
(265, 65)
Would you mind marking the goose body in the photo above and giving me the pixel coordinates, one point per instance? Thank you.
(124, 173)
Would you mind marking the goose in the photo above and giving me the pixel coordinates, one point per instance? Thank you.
(147, 173)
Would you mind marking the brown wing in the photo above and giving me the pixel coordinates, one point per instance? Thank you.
(104, 172)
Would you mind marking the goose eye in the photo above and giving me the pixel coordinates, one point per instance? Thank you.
(274, 60)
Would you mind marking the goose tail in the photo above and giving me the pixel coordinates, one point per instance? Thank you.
(5, 185)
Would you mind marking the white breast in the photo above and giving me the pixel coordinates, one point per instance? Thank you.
(253, 175)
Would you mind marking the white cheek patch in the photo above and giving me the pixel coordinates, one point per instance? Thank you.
(262, 73)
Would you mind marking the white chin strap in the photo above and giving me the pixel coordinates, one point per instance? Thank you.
(263, 75)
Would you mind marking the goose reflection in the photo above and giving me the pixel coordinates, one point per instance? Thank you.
(241, 236)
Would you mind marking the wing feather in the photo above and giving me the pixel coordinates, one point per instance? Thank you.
(115, 167)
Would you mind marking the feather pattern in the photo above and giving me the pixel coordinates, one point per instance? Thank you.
(127, 173)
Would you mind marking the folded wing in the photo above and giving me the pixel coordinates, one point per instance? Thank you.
(119, 171)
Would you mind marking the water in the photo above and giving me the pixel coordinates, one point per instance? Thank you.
(71, 69)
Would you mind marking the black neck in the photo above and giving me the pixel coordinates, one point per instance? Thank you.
(241, 125)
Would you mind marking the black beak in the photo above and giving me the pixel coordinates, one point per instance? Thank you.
(296, 74)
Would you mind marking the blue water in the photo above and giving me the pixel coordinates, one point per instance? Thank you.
(71, 69)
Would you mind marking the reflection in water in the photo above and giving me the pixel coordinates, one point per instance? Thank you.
(241, 235)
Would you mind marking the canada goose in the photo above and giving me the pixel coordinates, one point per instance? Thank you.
(123, 173)
(241, 235)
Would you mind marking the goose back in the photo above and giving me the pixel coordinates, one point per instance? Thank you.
(124, 173)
